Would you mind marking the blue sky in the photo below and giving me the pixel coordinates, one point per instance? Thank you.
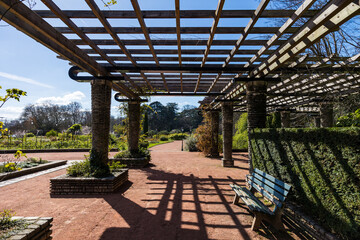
(30, 66)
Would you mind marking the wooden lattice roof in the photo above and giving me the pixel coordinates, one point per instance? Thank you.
(186, 64)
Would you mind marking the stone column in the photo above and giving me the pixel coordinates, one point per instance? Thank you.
(256, 108)
(100, 124)
(134, 126)
(285, 119)
(326, 115)
(214, 151)
(256, 104)
(227, 129)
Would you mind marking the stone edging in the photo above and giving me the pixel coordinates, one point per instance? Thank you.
(41, 167)
(313, 228)
(65, 185)
(38, 228)
(52, 150)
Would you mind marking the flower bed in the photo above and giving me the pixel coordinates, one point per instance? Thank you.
(25, 171)
(66, 185)
(30, 228)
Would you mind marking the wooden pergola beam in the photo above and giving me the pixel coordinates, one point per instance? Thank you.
(173, 42)
(173, 30)
(211, 38)
(145, 31)
(178, 37)
(168, 14)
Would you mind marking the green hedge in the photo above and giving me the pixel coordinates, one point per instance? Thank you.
(322, 165)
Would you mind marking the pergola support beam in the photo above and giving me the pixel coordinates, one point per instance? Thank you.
(326, 115)
(134, 126)
(214, 151)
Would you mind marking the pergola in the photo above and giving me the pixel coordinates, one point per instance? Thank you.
(251, 67)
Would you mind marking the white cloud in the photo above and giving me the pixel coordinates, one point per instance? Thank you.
(10, 112)
(24, 79)
(66, 99)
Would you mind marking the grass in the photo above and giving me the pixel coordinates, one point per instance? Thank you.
(158, 143)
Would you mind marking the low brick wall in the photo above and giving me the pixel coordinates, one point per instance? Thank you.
(132, 162)
(25, 171)
(38, 229)
(65, 185)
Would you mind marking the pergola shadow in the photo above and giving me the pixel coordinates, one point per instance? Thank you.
(185, 207)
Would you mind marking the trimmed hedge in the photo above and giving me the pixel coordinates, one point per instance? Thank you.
(322, 165)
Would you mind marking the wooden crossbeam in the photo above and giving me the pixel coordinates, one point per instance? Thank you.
(211, 38)
(178, 37)
(145, 31)
(168, 14)
(174, 51)
(174, 30)
(173, 42)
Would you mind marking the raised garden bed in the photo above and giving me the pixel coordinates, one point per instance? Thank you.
(132, 162)
(66, 185)
(25, 171)
(34, 228)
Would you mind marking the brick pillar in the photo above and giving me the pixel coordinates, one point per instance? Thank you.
(214, 152)
(326, 115)
(100, 125)
(285, 119)
(256, 108)
(134, 126)
(227, 128)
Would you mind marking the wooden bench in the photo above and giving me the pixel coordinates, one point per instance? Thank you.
(270, 188)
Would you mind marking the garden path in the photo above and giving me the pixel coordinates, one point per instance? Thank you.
(183, 195)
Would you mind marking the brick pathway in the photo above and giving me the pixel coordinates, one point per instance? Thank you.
(181, 196)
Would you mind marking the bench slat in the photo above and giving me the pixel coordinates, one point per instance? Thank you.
(250, 200)
(274, 189)
(273, 179)
(264, 192)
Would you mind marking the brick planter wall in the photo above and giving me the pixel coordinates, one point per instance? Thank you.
(132, 162)
(65, 185)
(38, 228)
(25, 171)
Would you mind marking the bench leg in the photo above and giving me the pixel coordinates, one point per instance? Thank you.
(236, 199)
(257, 221)
(277, 222)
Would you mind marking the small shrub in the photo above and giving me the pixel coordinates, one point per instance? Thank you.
(29, 135)
(126, 154)
(151, 133)
(79, 169)
(349, 120)
(203, 133)
(163, 132)
(6, 220)
(175, 131)
(144, 144)
(116, 166)
(178, 136)
(52, 133)
(190, 143)
(164, 138)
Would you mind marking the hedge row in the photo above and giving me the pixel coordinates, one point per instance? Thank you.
(322, 165)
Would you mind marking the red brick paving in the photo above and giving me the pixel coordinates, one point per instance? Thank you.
(182, 196)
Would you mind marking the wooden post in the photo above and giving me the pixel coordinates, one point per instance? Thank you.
(134, 126)
(317, 121)
(326, 115)
(285, 119)
(100, 125)
(256, 109)
(227, 128)
(214, 152)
